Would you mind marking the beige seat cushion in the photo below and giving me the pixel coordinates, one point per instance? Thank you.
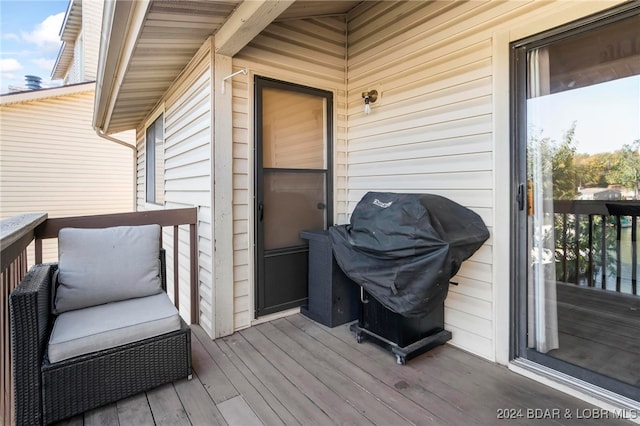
(101, 327)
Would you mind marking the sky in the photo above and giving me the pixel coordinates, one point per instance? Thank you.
(607, 115)
(29, 40)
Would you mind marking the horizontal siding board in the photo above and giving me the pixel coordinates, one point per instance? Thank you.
(361, 19)
(465, 135)
(470, 341)
(240, 211)
(468, 82)
(189, 198)
(444, 95)
(418, 145)
(241, 274)
(425, 181)
(478, 161)
(393, 122)
(312, 72)
(466, 19)
(188, 184)
(471, 323)
(475, 270)
(192, 144)
(297, 40)
(180, 114)
(472, 288)
(241, 256)
(422, 63)
(195, 168)
(483, 255)
(52, 161)
(470, 305)
(196, 124)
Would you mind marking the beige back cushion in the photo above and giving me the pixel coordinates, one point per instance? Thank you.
(98, 266)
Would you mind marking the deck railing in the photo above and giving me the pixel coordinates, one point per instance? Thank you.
(15, 235)
(590, 246)
(18, 232)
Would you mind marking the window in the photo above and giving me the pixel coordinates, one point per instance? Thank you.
(577, 112)
(155, 161)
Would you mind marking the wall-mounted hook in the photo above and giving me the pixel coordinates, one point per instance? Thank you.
(224, 80)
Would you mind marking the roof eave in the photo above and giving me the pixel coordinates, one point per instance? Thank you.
(40, 94)
(122, 23)
(70, 29)
(63, 61)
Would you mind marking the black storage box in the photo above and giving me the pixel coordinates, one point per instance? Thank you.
(405, 337)
(396, 328)
(333, 298)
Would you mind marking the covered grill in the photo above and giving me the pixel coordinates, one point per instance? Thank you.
(404, 248)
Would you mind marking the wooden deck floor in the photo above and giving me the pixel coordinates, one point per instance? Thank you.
(293, 371)
(598, 330)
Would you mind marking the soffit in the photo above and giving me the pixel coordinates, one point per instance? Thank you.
(72, 23)
(313, 8)
(71, 27)
(171, 34)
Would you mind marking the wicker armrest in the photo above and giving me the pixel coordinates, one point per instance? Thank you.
(30, 317)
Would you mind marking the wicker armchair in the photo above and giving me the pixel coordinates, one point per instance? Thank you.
(46, 392)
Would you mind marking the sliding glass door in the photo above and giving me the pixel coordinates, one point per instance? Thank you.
(577, 111)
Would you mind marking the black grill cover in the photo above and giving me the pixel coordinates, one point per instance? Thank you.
(404, 248)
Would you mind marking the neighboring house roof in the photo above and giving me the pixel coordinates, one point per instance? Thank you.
(34, 95)
(600, 194)
(146, 44)
(71, 27)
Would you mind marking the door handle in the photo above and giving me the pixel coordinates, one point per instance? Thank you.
(260, 211)
(520, 197)
(321, 206)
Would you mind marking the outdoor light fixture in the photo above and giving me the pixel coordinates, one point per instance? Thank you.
(369, 98)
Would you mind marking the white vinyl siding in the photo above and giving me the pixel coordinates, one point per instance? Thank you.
(91, 25)
(432, 128)
(75, 70)
(310, 52)
(83, 66)
(52, 161)
(187, 175)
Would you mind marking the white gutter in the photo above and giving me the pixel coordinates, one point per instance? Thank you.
(103, 135)
(134, 157)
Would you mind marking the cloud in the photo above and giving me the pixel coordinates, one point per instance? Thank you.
(46, 33)
(44, 63)
(10, 65)
(8, 73)
(11, 36)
